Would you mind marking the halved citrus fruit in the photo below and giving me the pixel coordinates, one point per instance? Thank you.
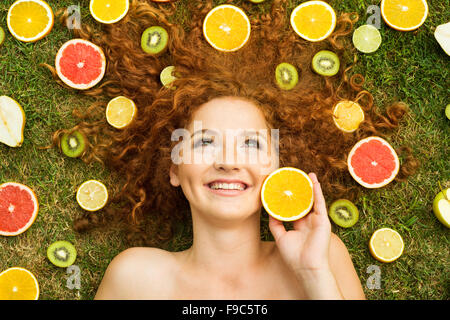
(120, 112)
(18, 284)
(18, 208)
(373, 163)
(226, 28)
(386, 245)
(109, 11)
(348, 115)
(313, 20)
(92, 195)
(80, 64)
(30, 20)
(366, 38)
(287, 194)
(404, 15)
(12, 122)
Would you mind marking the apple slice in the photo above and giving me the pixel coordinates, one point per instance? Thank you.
(12, 122)
(441, 207)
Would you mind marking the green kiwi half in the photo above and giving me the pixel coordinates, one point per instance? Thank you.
(286, 76)
(62, 254)
(154, 40)
(73, 144)
(2, 35)
(325, 63)
(344, 213)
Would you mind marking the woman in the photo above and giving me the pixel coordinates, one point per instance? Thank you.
(228, 260)
(225, 92)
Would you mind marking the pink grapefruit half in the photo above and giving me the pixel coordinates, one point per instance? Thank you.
(80, 64)
(18, 208)
(373, 163)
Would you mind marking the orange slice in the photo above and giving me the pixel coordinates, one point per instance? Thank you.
(109, 11)
(287, 194)
(313, 20)
(386, 245)
(18, 284)
(30, 20)
(92, 195)
(226, 28)
(404, 15)
(348, 115)
(120, 112)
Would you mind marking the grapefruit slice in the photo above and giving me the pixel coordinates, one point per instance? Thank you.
(80, 64)
(18, 208)
(373, 163)
(287, 194)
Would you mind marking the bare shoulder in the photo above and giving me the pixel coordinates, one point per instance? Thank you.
(344, 270)
(137, 273)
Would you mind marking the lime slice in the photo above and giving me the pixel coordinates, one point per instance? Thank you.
(167, 76)
(2, 36)
(447, 111)
(92, 195)
(367, 38)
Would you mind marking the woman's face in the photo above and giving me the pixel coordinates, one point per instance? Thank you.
(227, 152)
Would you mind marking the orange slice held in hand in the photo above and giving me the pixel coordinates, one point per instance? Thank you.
(226, 28)
(30, 20)
(287, 194)
(404, 15)
(18, 284)
(313, 20)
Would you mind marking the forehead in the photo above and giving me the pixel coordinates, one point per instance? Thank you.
(229, 113)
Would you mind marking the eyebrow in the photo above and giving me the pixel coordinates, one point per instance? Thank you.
(244, 132)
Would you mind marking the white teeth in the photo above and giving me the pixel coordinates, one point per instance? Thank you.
(227, 186)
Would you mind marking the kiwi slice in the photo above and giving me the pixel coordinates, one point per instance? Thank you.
(325, 63)
(62, 254)
(154, 40)
(344, 213)
(2, 35)
(286, 76)
(73, 144)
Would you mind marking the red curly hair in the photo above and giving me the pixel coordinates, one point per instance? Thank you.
(141, 154)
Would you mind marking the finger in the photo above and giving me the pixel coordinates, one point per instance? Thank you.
(320, 207)
(276, 227)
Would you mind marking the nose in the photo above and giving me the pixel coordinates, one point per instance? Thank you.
(226, 157)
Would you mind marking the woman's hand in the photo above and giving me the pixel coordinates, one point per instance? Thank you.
(306, 246)
(305, 249)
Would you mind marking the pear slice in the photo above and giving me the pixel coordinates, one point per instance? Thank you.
(442, 35)
(12, 122)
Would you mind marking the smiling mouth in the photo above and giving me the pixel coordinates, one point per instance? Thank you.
(233, 186)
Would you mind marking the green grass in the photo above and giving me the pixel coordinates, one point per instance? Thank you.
(408, 66)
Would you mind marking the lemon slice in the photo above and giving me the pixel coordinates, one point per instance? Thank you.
(386, 245)
(18, 284)
(109, 11)
(92, 195)
(2, 36)
(120, 112)
(12, 122)
(348, 115)
(30, 20)
(366, 38)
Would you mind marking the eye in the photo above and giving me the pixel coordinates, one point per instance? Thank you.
(253, 143)
(202, 142)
